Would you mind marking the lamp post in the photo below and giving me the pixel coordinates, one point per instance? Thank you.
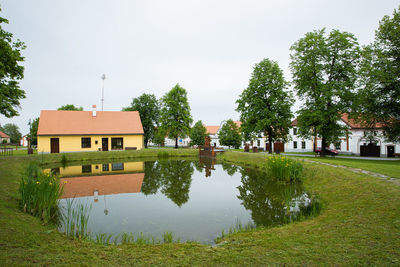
(103, 77)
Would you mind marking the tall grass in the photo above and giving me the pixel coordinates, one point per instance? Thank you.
(39, 194)
(75, 220)
(284, 169)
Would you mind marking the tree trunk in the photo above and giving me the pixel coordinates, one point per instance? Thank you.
(176, 142)
(145, 143)
(323, 145)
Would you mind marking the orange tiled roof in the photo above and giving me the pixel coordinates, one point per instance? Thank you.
(3, 135)
(356, 125)
(104, 185)
(67, 122)
(238, 123)
(212, 129)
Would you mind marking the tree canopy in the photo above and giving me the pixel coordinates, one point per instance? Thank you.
(12, 130)
(175, 116)
(34, 125)
(198, 134)
(324, 69)
(148, 108)
(11, 72)
(380, 71)
(265, 104)
(70, 107)
(229, 134)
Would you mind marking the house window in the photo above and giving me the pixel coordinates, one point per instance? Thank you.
(294, 131)
(303, 145)
(117, 143)
(86, 168)
(86, 142)
(117, 166)
(106, 167)
(258, 143)
(337, 145)
(294, 144)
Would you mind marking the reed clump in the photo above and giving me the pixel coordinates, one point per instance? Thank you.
(39, 193)
(75, 220)
(284, 169)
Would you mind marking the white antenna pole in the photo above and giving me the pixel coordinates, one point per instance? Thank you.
(103, 77)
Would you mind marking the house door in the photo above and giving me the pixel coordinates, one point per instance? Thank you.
(104, 144)
(279, 147)
(390, 151)
(54, 145)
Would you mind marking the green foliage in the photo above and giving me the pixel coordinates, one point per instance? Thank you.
(12, 130)
(380, 72)
(198, 134)
(75, 221)
(34, 125)
(163, 154)
(159, 136)
(70, 107)
(148, 108)
(265, 104)
(4, 141)
(284, 169)
(39, 194)
(229, 134)
(10, 72)
(64, 160)
(175, 114)
(324, 72)
(168, 237)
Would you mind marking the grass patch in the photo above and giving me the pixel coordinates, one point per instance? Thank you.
(358, 226)
(284, 169)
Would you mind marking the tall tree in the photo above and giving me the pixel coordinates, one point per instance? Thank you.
(265, 104)
(380, 72)
(175, 116)
(148, 108)
(198, 134)
(324, 72)
(10, 72)
(34, 125)
(12, 130)
(70, 107)
(229, 134)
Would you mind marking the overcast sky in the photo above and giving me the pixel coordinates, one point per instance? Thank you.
(208, 47)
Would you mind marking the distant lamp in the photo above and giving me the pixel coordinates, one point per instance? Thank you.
(103, 77)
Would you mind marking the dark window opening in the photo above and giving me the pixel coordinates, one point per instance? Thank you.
(106, 167)
(96, 142)
(258, 142)
(337, 146)
(303, 145)
(294, 131)
(86, 142)
(294, 144)
(86, 168)
(117, 143)
(117, 166)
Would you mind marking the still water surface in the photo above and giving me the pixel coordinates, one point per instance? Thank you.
(195, 200)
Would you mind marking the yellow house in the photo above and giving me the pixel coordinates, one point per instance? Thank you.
(80, 131)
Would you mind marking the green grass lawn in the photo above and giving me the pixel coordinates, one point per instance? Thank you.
(359, 225)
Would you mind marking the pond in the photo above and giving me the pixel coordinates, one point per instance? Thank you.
(195, 200)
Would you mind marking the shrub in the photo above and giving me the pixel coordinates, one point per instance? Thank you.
(284, 169)
(40, 193)
(163, 154)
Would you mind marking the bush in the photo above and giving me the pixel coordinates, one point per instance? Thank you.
(284, 169)
(40, 193)
(163, 154)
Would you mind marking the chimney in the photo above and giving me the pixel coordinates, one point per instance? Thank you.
(94, 110)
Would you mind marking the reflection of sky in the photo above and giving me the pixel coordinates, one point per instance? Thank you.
(212, 206)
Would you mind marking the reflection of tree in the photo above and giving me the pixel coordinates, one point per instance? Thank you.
(270, 202)
(198, 166)
(152, 178)
(229, 168)
(176, 180)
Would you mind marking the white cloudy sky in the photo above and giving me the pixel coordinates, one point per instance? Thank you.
(208, 47)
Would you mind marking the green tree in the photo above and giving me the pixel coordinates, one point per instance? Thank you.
(198, 134)
(148, 108)
(10, 72)
(34, 125)
(12, 130)
(70, 107)
(229, 134)
(159, 136)
(380, 72)
(324, 72)
(265, 104)
(175, 114)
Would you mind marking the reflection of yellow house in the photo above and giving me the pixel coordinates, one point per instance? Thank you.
(102, 185)
(78, 131)
(96, 169)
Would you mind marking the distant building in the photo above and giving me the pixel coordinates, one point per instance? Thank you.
(79, 131)
(3, 137)
(24, 140)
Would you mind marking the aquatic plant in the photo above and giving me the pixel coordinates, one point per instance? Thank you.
(168, 237)
(39, 193)
(163, 154)
(283, 168)
(102, 238)
(75, 219)
(64, 160)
